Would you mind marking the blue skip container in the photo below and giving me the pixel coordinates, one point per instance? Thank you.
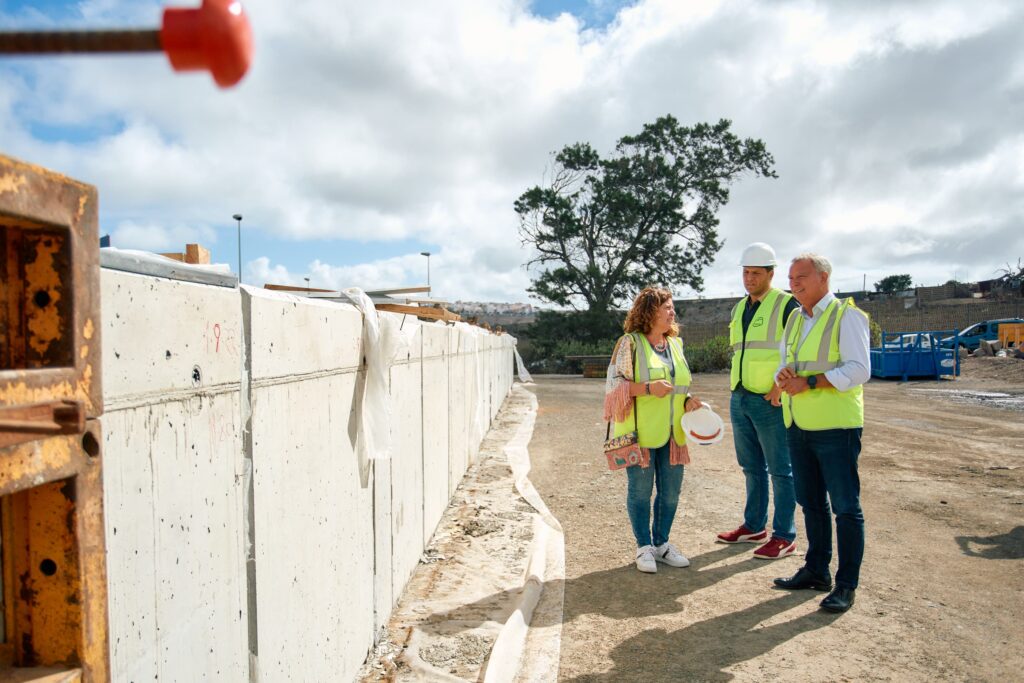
(916, 355)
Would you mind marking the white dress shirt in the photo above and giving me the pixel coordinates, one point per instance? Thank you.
(854, 343)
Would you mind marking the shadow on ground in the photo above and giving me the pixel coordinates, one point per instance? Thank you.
(1008, 546)
(619, 593)
(702, 651)
(694, 652)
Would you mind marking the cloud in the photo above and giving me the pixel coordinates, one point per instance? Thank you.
(160, 238)
(895, 128)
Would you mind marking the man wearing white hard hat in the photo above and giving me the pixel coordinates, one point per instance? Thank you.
(759, 432)
(825, 362)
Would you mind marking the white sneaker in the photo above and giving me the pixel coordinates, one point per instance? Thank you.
(670, 555)
(645, 560)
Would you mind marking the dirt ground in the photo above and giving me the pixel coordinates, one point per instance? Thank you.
(942, 585)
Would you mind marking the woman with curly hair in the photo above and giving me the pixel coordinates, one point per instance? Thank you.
(647, 391)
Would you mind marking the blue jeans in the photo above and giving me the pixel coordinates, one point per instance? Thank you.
(761, 450)
(638, 497)
(825, 469)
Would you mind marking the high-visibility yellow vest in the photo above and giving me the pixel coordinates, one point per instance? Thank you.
(656, 416)
(824, 408)
(757, 353)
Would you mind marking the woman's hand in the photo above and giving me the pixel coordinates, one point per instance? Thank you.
(693, 403)
(661, 388)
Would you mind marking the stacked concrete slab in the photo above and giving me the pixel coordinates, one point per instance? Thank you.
(243, 541)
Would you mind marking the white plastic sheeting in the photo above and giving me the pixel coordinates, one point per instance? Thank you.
(519, 652)
(384, 338)
(226, 405)
(524, 375)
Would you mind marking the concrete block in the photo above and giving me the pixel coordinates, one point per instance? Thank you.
(289, 343)
(163, 336)
(314, 536)
(173, 481)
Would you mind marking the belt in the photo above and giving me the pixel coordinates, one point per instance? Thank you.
(740, 389)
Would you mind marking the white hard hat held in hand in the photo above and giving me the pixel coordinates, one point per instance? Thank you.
(703, 426)
(759, 255)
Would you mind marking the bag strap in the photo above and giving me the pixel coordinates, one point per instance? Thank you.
(608, 429)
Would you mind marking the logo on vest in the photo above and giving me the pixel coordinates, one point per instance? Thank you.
(757, 322)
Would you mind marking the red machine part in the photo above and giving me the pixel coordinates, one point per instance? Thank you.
(215, 37)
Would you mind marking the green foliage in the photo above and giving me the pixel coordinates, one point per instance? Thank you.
(605, 227)
(1011, 275)
(545, 344)
(894, 283)
(876, 333)
(556, 334)
(711, 356)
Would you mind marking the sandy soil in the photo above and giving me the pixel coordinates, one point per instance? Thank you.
(942, 585)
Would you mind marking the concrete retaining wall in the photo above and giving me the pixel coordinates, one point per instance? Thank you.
(260, 553)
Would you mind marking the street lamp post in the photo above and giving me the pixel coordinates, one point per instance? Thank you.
(238, 217)
(427, 254)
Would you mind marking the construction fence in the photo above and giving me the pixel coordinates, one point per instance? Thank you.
(246, 539)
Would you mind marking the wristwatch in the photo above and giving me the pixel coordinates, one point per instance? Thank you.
(647, 388)
(812, 382)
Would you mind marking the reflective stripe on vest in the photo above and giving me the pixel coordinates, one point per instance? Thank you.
(756, 352)
(656, 416)
(818, 352)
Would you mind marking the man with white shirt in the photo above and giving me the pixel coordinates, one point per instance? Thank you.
(825, 362)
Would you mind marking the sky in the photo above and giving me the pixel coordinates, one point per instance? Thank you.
(367, 133)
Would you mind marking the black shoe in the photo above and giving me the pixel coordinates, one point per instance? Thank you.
(804, 579)
(839, 600)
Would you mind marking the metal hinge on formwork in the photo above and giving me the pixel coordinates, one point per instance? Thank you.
(17, 423)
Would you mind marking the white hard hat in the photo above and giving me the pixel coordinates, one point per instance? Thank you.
(759, 255)
(703, 426)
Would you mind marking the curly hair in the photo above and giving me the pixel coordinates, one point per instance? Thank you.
(645, 306)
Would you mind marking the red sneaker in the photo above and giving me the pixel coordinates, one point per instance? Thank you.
(742, 535)
(775, 548)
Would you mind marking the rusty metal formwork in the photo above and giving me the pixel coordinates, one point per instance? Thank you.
(51, 488)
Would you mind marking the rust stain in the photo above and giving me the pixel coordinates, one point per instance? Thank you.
(84, 386)
(9, 182)
(43, 273)
(82, 202)
(89, 329)
(20, 393)
(27, 593)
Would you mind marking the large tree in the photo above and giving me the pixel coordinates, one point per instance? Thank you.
(894, 283)
(602, 228)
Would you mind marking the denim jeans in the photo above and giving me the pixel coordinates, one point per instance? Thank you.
(641, 482)
(761, 450)
(825, 469)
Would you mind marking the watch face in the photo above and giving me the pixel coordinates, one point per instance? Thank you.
(812, 381)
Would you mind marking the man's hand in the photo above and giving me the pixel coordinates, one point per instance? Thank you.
(784, 374)
(794, 385)
(775, 395)
(693, 403)
(661, 388)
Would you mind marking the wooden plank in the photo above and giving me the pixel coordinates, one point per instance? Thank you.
(428, 312)
(293, 288)
(396, 290)
(407, 300)
(197, 254)
(174, 256)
